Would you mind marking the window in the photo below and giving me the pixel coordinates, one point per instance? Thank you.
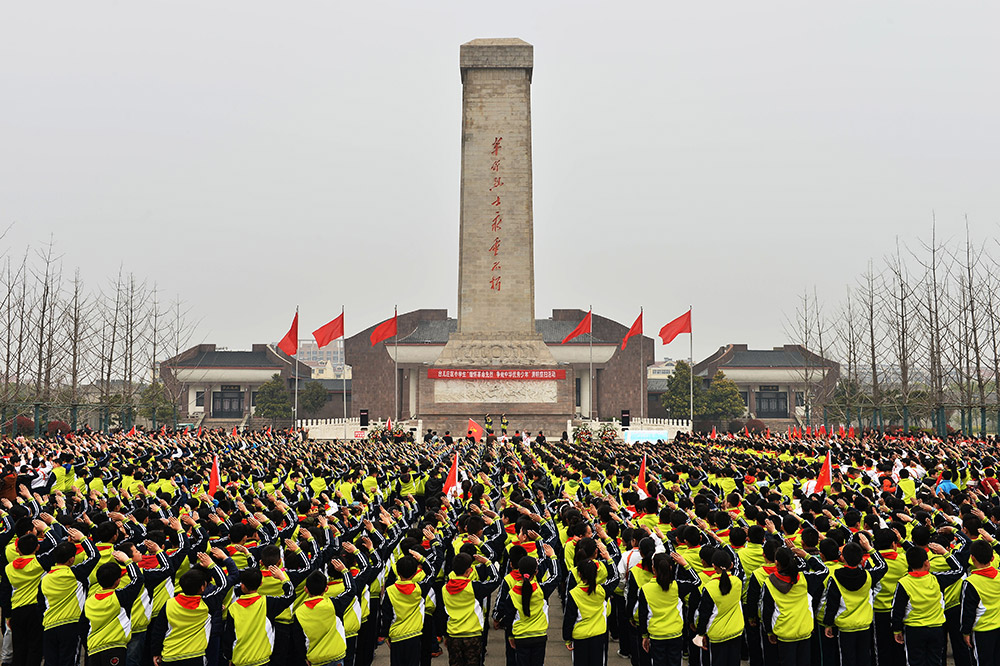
(253, 399)
(745, 397)
(578, 402)
(800, 399)
(199, 398)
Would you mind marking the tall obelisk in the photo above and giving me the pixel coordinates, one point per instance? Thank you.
(496, 276)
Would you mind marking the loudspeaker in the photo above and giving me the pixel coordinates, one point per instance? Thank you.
(626, 418)
(364, 418)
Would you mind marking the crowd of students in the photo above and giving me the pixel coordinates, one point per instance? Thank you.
(128, 549)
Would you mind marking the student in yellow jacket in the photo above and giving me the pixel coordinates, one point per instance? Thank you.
(585, 623)
(107, 612)
(660, 606)
(720, 611)
(403, 610)
(524, 608)
(464, 597)
(918, 606)
(788, 603)
(849, 610)
(249, 635)
(321, 619)
(981, 605)
(180, 634)
(19, 599)
(64, 588)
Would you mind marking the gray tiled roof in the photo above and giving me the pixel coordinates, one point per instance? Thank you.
(656, 385)
(230, 359)
(553, 332)
(332, 384)
(774, 358)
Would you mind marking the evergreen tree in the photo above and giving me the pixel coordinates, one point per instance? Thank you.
(273, 400)
(312, 398)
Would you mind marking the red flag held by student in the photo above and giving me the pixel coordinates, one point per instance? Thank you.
(714, 435)
(213, 481)
(641, 481)
(131, 433)
(850, 432)
(635, 330)
(451, 486)
(329, 332)
(385, 330)
(581, 328)
(476, 430)
(388, 425)
(199, 432)
(235, 433)
(825, 475)
(680, 325)
(290, 343)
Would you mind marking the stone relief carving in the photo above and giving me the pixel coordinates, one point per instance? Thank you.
(462, 391)
(496, 352)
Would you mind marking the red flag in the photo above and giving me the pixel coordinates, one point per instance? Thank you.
(268, 431)
(290, 343)
(199, 432)
(476, 430)
(680, 325)
(388, 425)
(385, 330)
(809, 431)
(451, 483)
(713, 432)
(163, 429)
(234, 431)
(328, 333)
(746, 431)
(768, 435)
(635, 330)
(840, 432)
(581, 328)
(825, 475)
(213, 480)
(131, 433)
(187, 430)
(850, 432)
(641, 481)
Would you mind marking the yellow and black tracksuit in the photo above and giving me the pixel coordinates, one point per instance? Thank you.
(249, 635)
(981, 614)
(788, 607)
(402, 621)
(529, 631)
(19, 593)
(321, 620)
(180, 634)
(465, 602)
(64, 592)
(660, 614)
(887, 650)
(918, 612)
(585, 622)
(849, 608)
(108, 615)
(720, 619)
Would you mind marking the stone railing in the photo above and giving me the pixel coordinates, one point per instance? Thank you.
(351, 428)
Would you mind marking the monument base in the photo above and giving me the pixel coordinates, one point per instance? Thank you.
(500, 349)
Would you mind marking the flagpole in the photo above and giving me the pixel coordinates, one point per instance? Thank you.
(343, 376)
(590, 313)
(395, 363)
(691, 357)
(642, 398)
(295, 363)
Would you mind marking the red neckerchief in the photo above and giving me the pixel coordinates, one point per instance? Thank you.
(784, 578)
(919, 574)
(989, 572)
(312, 603)
(509, 528)
(104, 595)
(188, 602)
(770, 569)
(456, 585)
(406, 588)
(22, 562)
(248, 600)
(889, 554)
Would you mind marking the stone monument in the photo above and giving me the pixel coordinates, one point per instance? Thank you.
(496, 275)
(496, 361)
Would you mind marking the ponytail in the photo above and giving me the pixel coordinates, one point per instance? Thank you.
(588, 575)
(722, 561)
(784, 560)
(647, 548)
(528, 566)
(666, 570)
(586, 548)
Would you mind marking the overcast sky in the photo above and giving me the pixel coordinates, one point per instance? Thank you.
(254, 155)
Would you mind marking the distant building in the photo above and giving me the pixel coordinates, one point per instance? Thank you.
(661, 370)
(330, 371)
(775, 384)
(310, 353)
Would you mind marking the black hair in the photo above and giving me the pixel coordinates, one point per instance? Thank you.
(666, 570)
(722, 561)
(915, 558)
(461, 563)
(588, 575)
(191, 582)
(316, 583)
(528, 567)
(108, 575)
(853, 554)
(251, 578)
(647, 547)
(406, 566)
